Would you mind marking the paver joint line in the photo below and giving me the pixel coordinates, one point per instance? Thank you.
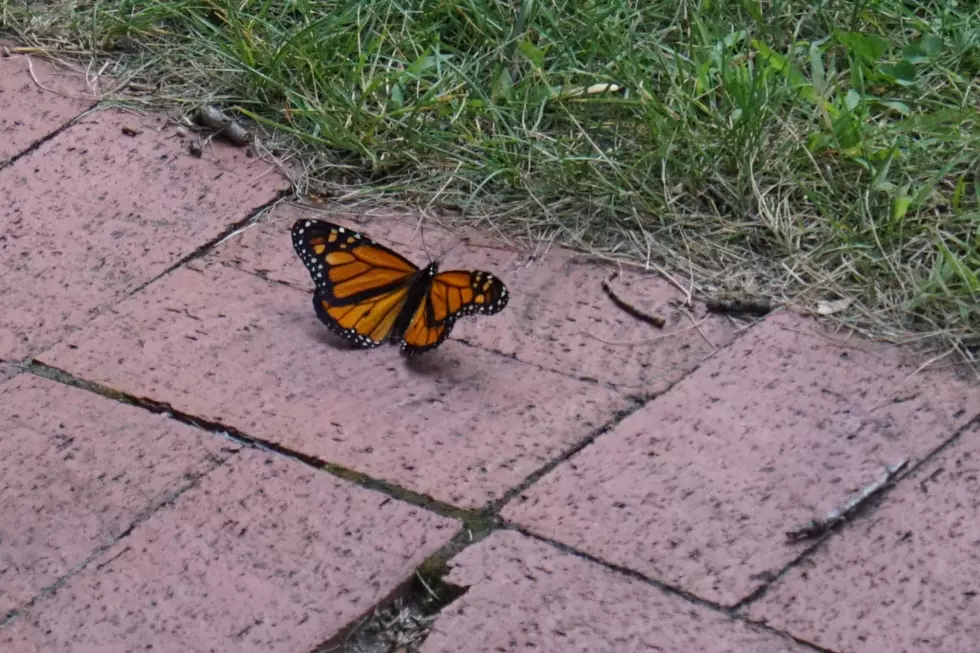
(487, 515)
(144, 515)
(92, 105)
(531, 479)
(216, 428)
(731, 612)
(250, 218)
(41, 141)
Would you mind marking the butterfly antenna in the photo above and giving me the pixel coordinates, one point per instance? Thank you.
(421, 229)
(458, 243)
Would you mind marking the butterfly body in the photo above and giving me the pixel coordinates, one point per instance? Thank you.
(369, 294)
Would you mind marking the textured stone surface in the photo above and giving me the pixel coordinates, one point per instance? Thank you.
(93, 214)
(29, 112)
(265, 555)
(7, 370)
(526, 596)
(558, 316)
(76, 471)
(699, 487)
(905, 578)
(459, 424)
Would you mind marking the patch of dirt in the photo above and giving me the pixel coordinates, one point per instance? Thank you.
(397, 628)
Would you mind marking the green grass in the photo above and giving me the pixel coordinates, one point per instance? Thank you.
(804, 152)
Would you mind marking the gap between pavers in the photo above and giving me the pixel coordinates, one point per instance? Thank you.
(558, 316)
(698, 489)
(30, 110)
(94, 214)
(905, 578)
(76, 471)
(265, 554)
(522, 594)
(462, 425)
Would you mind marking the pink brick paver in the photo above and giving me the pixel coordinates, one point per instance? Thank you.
(462, 425)
(28, 112)
(76, 470)
(905, 579)
(525, 595)
(93, 214)
(558, 316)
(264, 555)
(699, 487)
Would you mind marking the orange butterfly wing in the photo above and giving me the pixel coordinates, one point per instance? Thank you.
(368, 294)
(451, 295)
(361, 286)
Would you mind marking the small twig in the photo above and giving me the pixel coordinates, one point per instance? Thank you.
(739, 307)
(817, 527)
(649, 318)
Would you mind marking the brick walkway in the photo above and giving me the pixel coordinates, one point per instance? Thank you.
(188, 464)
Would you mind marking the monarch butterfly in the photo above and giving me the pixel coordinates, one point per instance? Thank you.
(368, 294)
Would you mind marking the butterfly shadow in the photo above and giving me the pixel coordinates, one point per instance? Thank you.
(436, 363)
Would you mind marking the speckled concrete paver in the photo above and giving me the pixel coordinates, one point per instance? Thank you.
(93, 214)
(8, 370)
(76, 471)
(265, 554)
(904, 579)
(524, 595)
(31, 108)
(124, 530)
(558, 317)
(462, 426)
(699, 488)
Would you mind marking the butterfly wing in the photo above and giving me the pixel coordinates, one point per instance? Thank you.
(361, 286)
(451, 295)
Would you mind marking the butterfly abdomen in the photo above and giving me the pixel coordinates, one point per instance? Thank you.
(417, 294)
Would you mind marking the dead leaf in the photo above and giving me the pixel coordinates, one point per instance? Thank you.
(829, 307)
